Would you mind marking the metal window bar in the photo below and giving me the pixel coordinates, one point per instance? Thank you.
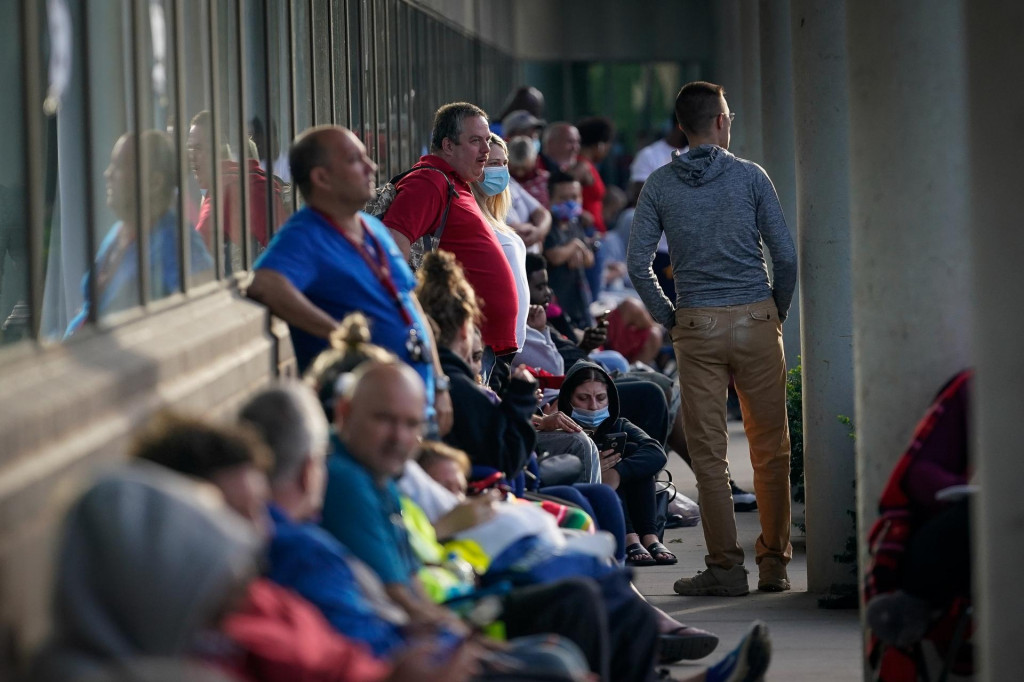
(311, 56)
(180, 143)
(33, 143)
(215, 127)
(348, 64)
(292, 97)
(331, 66)
(388, 91)
(243, 141)
(373, 84)
(87, 175)
(269, 134)
(139, 17)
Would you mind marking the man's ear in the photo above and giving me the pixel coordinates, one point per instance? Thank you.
(342, 408)
(447, 145)
(318, 176)
(307, 473)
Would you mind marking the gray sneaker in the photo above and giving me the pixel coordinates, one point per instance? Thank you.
(715, 582)
(773, 577)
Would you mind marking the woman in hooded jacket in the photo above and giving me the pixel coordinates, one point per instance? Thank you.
(590, 397)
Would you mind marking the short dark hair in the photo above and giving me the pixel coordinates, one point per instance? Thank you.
(696, 104)
(194, 447)
(448, 122)
(557, 178)
(306, 153)
(594, 130)
(535, 263)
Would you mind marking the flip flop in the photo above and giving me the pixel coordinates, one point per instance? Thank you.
(658, 548)
(685, 643)
(634, 553)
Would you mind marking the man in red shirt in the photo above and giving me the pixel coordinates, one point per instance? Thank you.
(459, 148)
(201, 160)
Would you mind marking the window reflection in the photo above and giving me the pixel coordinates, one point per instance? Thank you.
(168, 122)
(15, 317)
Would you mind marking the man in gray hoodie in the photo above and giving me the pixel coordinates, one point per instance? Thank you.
(718, 212)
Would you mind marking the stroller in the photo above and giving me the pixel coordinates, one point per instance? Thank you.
(917, 592)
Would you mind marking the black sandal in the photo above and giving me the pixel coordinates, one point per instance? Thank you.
(635, 554)
(656, 548)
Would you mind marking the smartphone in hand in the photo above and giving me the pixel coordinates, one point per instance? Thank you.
(614, 441)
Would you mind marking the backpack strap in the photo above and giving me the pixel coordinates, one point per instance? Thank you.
(452, 193)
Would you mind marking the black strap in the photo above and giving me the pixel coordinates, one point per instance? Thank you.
(452, 193)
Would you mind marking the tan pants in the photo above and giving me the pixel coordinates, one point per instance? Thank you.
(744, 341)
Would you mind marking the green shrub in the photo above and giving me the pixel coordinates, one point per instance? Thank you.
(795, 412)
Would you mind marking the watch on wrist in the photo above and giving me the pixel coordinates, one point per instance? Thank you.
(441, 383)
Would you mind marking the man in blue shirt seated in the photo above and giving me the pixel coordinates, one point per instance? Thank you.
(303, 556)
(351, 596)
(331, 259)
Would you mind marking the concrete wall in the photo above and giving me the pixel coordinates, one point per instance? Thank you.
(65, 410)
(610, 30)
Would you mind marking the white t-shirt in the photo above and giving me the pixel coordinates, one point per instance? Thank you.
(515, 253)
(651, 158)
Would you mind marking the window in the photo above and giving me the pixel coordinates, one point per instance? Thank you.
(148, 157)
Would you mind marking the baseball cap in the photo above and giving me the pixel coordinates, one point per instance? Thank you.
(521, 119)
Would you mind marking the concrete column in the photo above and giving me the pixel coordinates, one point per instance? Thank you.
(994, 148)
(821, 106)
(777, 132)
(728, 68)
(910, 250)
(748, 118)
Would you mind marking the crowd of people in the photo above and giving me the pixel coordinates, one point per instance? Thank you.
(464, 479)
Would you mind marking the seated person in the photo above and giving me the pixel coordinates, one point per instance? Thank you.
(496, 433)
(377, 420)
(569, 251)
(151, 561)
(590, 397)
(548, 349)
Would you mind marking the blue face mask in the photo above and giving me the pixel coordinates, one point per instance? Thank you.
(591, 418)
(536, 146)
(566, 211)
(495, 180)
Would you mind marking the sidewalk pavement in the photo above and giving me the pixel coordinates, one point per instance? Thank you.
(808, 643)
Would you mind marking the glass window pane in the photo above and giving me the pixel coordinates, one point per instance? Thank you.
(264, 199)
(15, 317)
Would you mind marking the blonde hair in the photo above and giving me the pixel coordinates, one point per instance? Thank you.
(495, 209)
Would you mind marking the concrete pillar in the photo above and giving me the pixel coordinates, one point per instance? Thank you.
(777, 132)
(748, 118)
(995, 32)
(821, 110)
(728, 68)
(908, 176)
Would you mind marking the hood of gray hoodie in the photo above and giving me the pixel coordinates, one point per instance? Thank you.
(701, 165)
(148, 558)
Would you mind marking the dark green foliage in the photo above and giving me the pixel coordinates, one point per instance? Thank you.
(795, 411)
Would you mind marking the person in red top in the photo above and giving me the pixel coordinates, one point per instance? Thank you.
(459, 148)
(596, 133)
(201, 160)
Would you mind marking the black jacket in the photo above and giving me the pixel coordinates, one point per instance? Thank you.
(499, 435)
(644, 455)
